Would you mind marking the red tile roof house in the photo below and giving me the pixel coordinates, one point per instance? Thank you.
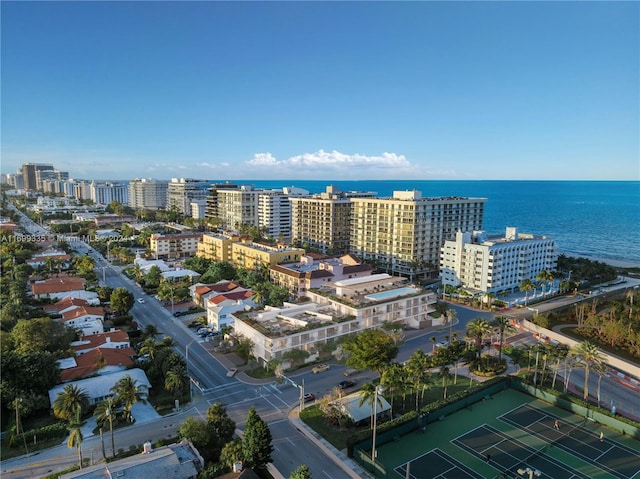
(221, 306)
(102, 360)
(64, 305)
(41, 259)
(59, 288)
(114, 339)
(200, 292)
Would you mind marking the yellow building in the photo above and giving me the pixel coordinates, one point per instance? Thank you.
(253, 255)
(216, 247)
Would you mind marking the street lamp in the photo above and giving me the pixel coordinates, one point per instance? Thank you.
(186, 355)
(378, 390)
(530, 472)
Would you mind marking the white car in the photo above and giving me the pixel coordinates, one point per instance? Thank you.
(141, 301)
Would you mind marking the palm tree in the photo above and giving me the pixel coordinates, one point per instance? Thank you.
(478, 329)
(392, 379)
(417, 367)
(128, 393)
(71, 403)
(445, 375)
(503, 324)
(106, 411)
(75, 440)
(526, 286)
(369, 396)
(544, 276)
(176, 380)
(150, 346)
(433, 342)
(591, 357)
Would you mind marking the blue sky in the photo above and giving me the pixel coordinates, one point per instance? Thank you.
(360, 90)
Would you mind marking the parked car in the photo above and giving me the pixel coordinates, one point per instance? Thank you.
(308, 397)
(141, 300)
(350, 372)
(346, 384)
(320, 368)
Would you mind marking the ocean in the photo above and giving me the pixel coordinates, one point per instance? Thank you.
(594, 219)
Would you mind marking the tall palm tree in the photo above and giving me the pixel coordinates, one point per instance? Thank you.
(591, 357)
(150, 346)
(75, 440)
(502, 323)
(478, 329)
(368, 396)
(391, 380)
(128, 393)
(526, 286)
(71, 403)
(106, 411)
(417, 367)
(445, 375)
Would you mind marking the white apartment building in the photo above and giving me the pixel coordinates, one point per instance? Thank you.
(339, 309)
(404, 234)
(148, 193)
(181, 192)
(174, 246)
(323, 221)
(104, 192)
(492, 263)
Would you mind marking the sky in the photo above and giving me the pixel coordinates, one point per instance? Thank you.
(322, 90)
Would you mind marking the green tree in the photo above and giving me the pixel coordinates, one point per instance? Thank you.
(106, 412)
(502, 323)
(128, 393)
(41, 334)
(544, 277)
(153, 277)
(368, 396)
(590, 358)
(526, 286)
(70, 403)
(231, 453)
(121, 301)
(176, 381)
(75, 440)
(256, 442)
(195, 430)
(371, 349)
(478, 329)
(301, 472)
(84, 265)
(393, 380)
(221, 429)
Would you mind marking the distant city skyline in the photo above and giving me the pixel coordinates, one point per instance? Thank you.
(323, 90)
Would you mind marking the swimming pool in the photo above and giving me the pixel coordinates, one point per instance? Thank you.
(392, 293)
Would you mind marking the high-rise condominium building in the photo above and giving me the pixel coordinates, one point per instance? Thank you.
(323, 221)
(211, 210)
(104, 192)
(236, 206)
(274, 211)
(493, 263)
(182, 192)
(148, 194)
(29, 174)
(404, 234)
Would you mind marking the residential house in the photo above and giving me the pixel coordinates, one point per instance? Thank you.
(62, 287)
(101, 360)
(98, 388)
(221, 306)
(175, 461)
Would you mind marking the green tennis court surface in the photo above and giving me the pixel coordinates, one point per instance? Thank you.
(620, 461)
(498, 436)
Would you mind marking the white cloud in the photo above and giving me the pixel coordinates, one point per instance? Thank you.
(331, 164)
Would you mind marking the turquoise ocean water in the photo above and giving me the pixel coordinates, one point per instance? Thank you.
(598, 219)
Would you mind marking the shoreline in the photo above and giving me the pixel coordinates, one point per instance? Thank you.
(616, 263)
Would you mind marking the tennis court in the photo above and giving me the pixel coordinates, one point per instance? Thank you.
(504, 433)
(620, 461)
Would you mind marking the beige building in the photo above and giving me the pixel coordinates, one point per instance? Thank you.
(244, 253)
(181, 192)
(174, 246)
(312, 271)
(404, 234)
(336, 310)
(147, 193)
(237, 206)
(323, 221)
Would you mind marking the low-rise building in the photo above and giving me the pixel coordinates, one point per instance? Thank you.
(313, 271)
(493, 263)
(174, 246)
(340, 309)
(221, 306)
(60, 288)
(175, 461)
